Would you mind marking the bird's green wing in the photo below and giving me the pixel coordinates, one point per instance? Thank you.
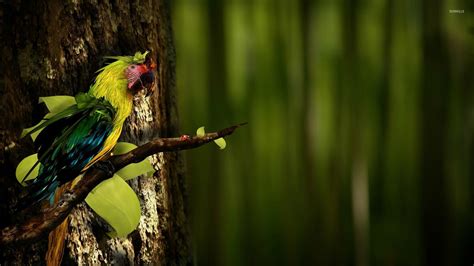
(68, 141)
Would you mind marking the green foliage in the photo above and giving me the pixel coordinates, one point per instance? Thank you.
(138, 58)
(113, 199)
(116, 203)
(25, 166)
(35, 134)
(221, 143)
(330, 172)
(200, 132)
(55, 105)
(135, 169)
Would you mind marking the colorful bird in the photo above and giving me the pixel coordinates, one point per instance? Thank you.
(81, 135)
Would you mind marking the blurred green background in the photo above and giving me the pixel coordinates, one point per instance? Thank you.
(359, 148)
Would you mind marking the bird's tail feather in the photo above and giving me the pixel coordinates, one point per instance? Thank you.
(40, 189)
(57, 237)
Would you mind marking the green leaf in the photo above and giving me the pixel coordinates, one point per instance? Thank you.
(200, 132)
(57, 103)
(135, 169)
(34, 134)
(123, 147)
(221, 143)
(116, 202)
(24, 167)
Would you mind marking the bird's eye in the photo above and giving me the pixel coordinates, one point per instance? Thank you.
(132, 67)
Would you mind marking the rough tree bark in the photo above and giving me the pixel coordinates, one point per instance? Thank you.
(54, 47)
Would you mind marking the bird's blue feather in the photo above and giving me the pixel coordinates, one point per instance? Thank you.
(66, 146)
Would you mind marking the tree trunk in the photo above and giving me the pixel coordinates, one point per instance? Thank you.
(55, 47)
(434, 103)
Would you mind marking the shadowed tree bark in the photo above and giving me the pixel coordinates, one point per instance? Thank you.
(55, 47)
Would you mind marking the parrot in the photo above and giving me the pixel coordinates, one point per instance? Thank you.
(75, 139)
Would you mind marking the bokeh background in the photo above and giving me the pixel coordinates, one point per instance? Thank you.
(359, 148)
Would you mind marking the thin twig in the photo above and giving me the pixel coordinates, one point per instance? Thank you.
(38, 226)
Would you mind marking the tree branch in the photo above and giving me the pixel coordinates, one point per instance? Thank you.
(40, 225)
